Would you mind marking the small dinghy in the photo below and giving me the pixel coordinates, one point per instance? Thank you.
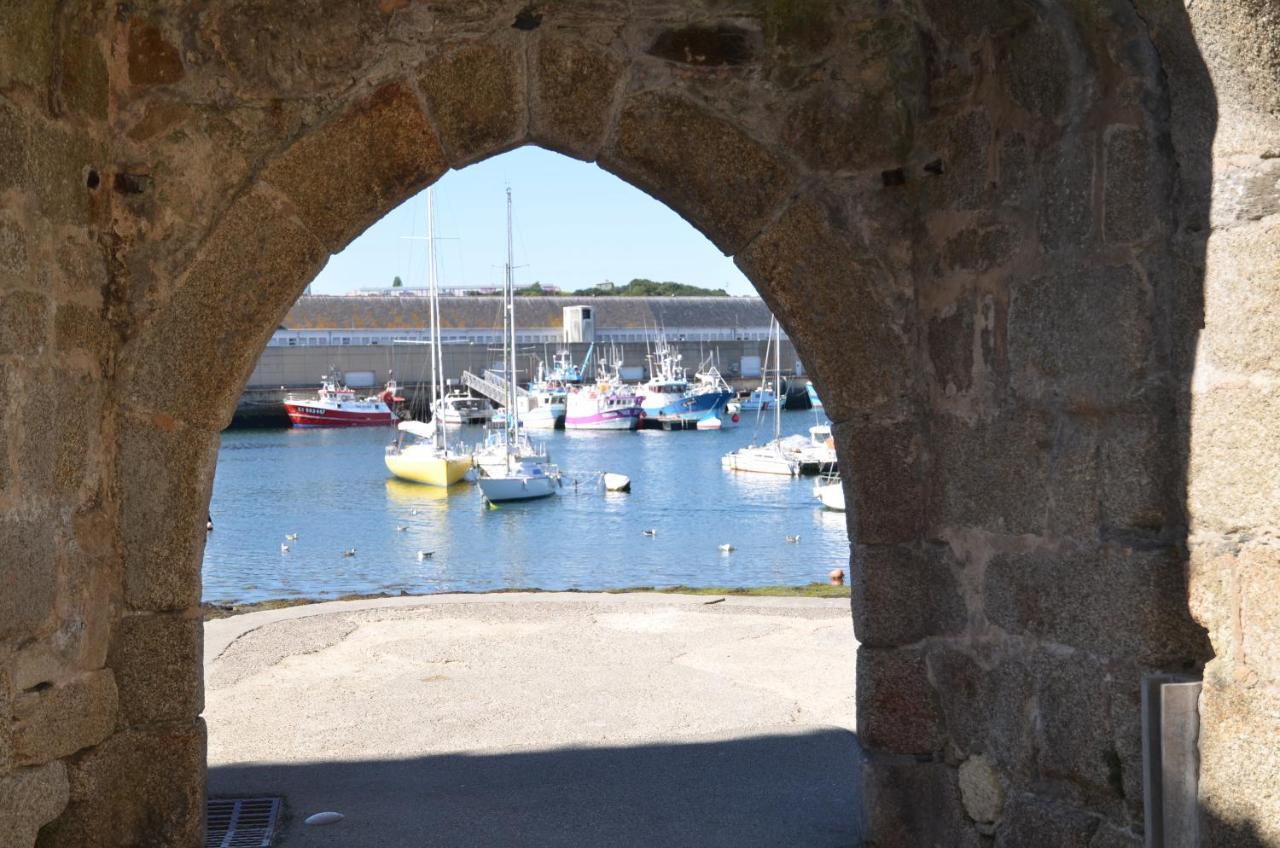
(616, 482)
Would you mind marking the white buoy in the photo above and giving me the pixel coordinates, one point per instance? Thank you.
(616, 482)
(726, 548)
(711, 423)
(328, 817)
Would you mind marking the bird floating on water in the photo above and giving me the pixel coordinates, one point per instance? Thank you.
(651, 532)
(402, 529)
(424, 555)
(349, 552)
(413, 512)
(284, 549)
(726, 548)
(793, 539)
(291, 537)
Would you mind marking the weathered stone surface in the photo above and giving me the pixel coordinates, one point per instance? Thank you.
(140, 787)
(259, 247)
(985, 705)
(1039, 72)
(981, 790)
(1110, 601)
(1239, 762)
(1232, 420)
(811, 268)
(1131, 190)
(897, 708)
(991, 474)
(964, 146)
(571, 97)
(58, 720)
(1034, 821)
(950, 337)
(166, 475)
(979, 248)
(1059, 347)
(28, 579)
(709, 171)
(349, 173)
(13, 248)
(1258, 576)
(476, 99)
(1242, 325)
(29, 798)
(1066, 201)
(883, 477)
(152, 59)
(157, 661)
(78, 328)
(1112, 837)
(62, 457)
(893, 792)
(873, 130)
(24, 319)
(903, 595)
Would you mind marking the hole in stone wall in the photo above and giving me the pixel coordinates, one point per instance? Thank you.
(893, 177)
(699, 45)
(528, 19)
(934, 167)
(93, 180)
(126, 183)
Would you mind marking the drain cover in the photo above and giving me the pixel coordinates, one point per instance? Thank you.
(241, 822)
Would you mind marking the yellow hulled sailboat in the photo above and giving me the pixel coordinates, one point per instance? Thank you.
(427, 458)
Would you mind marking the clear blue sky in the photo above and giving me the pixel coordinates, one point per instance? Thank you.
(575, 225)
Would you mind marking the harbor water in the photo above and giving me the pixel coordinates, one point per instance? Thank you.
(331, 488)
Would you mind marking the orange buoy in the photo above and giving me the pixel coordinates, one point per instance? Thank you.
(837, 577)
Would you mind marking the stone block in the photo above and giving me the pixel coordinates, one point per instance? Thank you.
(29, 799)
(850, 130)
(58, 157)
(59, 456)
(1111, 601)
(830, 292)
(882, 476)
(345, 175)
(1241, 323)
(705, 168)
(909, 805)
(963, 143)
(950, 338)
(24, 319)
(1138, 472)
(897, 708)
(1235, 459)
(1132, 194)
(258, 250)
(476, 98)
(57, 720)
(141, 787)
(1258, 576)
(157, 661)
(904, 594)
(13, 248)
(165, 476)
(992, 474)
(13, 146)
(1037, 821)
(1109, 836)
(1060, 346)
(80, 329)
(28, 574)
(571, 97)
(1038, 71)
(981, 790)
(979, 249)
(1239, 762)
(987, 707)
(1075, 747)
(1066, 196)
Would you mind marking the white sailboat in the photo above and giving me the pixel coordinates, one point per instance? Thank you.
(773, 457)
(518, 477)
(428, 458)
(830, 492)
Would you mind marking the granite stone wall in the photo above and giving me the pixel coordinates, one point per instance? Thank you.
(1027, 249)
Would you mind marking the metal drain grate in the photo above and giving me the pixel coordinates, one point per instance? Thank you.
(241, 822)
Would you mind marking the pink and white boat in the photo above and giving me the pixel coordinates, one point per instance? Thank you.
(338, 406)
(602, 407)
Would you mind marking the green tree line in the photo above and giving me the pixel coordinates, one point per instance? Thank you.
(635, 288)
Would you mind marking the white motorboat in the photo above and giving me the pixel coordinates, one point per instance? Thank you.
(830, 492)
(460, 407)
(515, 477)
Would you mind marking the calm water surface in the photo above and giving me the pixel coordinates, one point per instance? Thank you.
(332, 489)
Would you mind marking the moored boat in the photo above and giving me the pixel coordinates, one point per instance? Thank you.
(461, 407)
(830, 492)
(335, 405)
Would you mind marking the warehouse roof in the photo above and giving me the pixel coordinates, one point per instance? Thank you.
(318, 312)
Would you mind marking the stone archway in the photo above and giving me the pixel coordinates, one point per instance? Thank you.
(984, 229)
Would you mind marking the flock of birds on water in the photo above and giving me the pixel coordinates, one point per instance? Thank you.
(423, 555)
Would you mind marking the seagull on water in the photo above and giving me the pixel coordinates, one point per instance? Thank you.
(424, 555)
(793, 539)
(349, 552)
(291, 537)
(651, 532)
(284, 549)
(402, 529)
(726, 548)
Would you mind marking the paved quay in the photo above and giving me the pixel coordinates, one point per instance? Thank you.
(542, 719)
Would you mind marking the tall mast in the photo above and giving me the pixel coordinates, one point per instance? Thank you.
(431, 310)
(508, 292)
(777, 380)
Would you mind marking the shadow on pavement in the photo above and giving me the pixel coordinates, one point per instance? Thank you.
(774, 790)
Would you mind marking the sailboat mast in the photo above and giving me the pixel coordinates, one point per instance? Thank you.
(508, 292)
(433, 307)
(777, 380)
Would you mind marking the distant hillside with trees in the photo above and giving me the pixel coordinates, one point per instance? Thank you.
(635, 288)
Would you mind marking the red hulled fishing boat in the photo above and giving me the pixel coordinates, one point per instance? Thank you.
(338, 406)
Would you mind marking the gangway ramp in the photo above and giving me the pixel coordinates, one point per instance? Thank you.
(491, 385)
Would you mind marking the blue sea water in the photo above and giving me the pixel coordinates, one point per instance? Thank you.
(332, 489)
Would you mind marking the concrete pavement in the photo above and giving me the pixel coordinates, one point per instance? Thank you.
(542, 719)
